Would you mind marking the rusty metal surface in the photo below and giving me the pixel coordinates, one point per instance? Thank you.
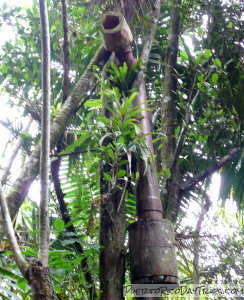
(152, 252)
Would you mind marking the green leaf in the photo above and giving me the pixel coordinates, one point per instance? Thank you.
(94, 104)
(121, 140)
(53, 28)
(107, 177)
(200, 78)
(8, 273)
(55, 46)
(59, 224)
(110, 152)
(199, 85)
(217, 62)
(207, 53)
(21, 283)
(230, 25)
(84, 136)
(4, 69)
(121, 173)
(127, 103)
(214, 78)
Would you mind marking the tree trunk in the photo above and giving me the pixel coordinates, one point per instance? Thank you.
(170, 192)
(40, 281)
(111, 239)
(112, 258)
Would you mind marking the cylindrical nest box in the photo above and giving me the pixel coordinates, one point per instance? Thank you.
(152, 252)
(116, 32)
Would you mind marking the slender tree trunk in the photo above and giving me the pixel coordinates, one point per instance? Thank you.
(170, 192)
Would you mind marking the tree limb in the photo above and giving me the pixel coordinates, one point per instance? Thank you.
(19, 259)
(189, 184)
(55, 167)
(30, 171)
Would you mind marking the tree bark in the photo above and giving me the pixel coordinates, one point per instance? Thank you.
(112, 236)
(170, 191)
(40, 280)
(45, 136)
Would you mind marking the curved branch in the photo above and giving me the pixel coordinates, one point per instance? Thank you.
(19, 259)
(189, 184)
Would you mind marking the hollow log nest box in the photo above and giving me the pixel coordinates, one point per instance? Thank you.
(116, 32)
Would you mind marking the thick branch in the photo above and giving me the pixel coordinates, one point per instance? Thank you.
(45, 136)
(58, 125)
(189, 184)
(19, 259)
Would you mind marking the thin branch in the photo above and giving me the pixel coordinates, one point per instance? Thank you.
(66, 52)
(189, 184)
(151, 34)
(55, 167)
(45, 138)
(196, 249)
(180, 140)
(19, 259)
(15, 150)
(191, 58)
